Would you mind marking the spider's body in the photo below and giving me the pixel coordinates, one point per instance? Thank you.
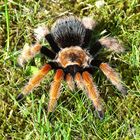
(72, 61)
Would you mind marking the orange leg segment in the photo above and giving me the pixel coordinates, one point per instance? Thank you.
(34, 81)
(70, 82)
(93, 93)
(55, 90)
(79, 81)
(113, 77)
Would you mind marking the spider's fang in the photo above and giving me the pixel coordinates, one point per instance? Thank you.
(72, 69)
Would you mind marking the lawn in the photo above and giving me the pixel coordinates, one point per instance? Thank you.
(74, 117)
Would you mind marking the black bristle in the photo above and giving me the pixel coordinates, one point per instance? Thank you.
(20, 97)
(68, 31)
(101, 114)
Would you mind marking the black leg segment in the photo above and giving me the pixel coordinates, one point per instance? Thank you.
(95, 48)
(47, 52)
(87, 38)
(52, 43)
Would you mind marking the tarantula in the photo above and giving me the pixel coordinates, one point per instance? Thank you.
(71, 59)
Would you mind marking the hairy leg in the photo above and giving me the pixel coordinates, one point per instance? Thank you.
(34, 81)
(70, 81)
(52, 43)
(89, 25)
(47, 52)
(93, 93)
(43, 32)
(112, 44)
(55, 90)
(108, 42)
(28, 53)
(79, 81)
(113, 77)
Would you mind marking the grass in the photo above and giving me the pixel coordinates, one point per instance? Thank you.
(74, 117)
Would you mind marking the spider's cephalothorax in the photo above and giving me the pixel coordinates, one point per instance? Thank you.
(73, 56)
(73, 62)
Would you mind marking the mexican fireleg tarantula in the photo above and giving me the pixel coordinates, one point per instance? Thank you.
(73, 62)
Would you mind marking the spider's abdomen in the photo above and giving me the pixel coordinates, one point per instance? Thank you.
(68, 31)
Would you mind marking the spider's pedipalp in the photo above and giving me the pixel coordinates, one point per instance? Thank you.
(34, 81)
(55, 90)
(112, 44)
(28, 53)
(93, 93)
(113, 77)
(70, 82)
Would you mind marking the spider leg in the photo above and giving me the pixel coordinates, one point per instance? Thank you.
(112, 44)
(47, 52)
(79, 81)
(43, 31)
(108, 42)
(93, 93)
(34, 81)
(52, 43)
(70, 82)
(113, 77)
(95, 48)
(28, 53)
(89, 25)
(55, 90)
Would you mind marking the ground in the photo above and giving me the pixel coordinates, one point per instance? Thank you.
(74, 117)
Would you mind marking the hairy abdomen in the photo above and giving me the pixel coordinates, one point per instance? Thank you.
(68, 31)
